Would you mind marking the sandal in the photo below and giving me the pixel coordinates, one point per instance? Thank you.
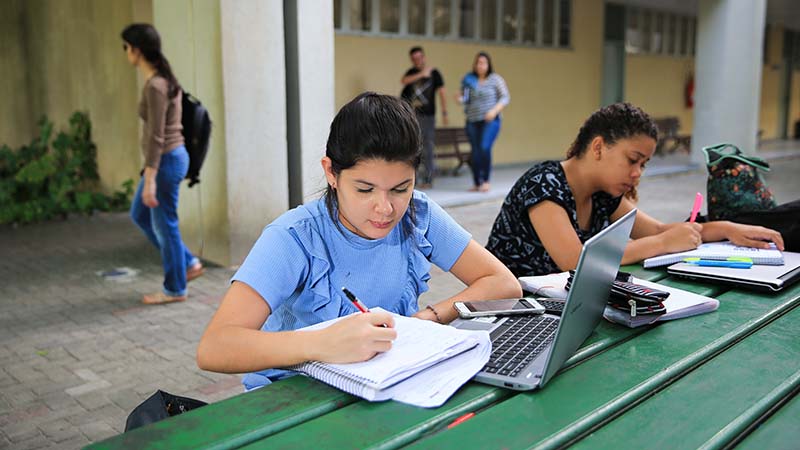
(195, 271)
(160, 298)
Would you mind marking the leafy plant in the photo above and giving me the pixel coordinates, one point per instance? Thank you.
(51, 178)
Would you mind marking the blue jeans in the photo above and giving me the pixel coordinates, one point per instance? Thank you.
(160, 224)
(481, 138)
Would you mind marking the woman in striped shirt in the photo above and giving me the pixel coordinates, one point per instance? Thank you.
(484, 95)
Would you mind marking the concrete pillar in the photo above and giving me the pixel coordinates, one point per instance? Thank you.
(728, 73)
(310, 93)
(255, 118)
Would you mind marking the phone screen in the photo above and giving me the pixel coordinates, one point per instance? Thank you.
(499, 305)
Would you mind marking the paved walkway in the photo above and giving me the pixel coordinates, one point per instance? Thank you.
(78, 351)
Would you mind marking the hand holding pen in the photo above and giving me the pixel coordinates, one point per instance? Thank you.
(358, 304)
(355, 338)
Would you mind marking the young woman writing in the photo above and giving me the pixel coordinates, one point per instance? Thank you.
(371, 233)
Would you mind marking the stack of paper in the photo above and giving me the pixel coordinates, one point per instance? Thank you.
(428, 362)
(679, 304)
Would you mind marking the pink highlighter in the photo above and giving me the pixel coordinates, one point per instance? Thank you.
(698, 202)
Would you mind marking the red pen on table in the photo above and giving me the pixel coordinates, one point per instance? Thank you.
(461, 420)
(361, 307)
(698, 202)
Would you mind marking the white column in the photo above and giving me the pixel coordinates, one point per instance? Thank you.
(728, 73)
(255, 118)
(310, 95)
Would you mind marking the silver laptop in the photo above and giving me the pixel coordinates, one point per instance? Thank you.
(758, 277)
(527, 351)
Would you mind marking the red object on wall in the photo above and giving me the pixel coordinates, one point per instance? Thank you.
(689, 92)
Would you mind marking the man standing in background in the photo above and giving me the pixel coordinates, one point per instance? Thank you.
(420, 84)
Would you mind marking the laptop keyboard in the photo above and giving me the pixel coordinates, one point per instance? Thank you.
(518, 341)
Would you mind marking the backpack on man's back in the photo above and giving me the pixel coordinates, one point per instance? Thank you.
(196, 134)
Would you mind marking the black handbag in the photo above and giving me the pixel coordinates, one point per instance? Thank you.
(159, 406)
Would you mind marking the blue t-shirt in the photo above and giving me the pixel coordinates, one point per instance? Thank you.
(302, 260)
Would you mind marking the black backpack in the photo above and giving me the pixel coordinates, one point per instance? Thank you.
(196, 134)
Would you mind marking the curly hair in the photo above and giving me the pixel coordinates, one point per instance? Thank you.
(612, 123)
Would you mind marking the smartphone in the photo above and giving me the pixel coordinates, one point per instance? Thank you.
(503, 307)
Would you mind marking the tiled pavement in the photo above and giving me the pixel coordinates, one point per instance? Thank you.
(78, 352)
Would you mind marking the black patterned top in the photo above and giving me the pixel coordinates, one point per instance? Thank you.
(513, 239)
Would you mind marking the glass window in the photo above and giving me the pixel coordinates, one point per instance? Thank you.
(416, 16)
(657, 40)
(564, 25)
(547, 24)
(529, 22)
(684, 36)
(544, 23)
(467, 19)
(488, 18)
(441, 17)
(511, 20)
(390, 16)
(646, 30)
(633, 35)
(671, 34)
(360, 15)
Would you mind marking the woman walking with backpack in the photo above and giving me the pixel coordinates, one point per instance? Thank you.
(155, 206)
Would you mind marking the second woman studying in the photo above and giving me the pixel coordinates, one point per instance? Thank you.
(371, 233)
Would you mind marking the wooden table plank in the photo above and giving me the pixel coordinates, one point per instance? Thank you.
(238, 420)
(580, 399)
(729, 389)
(780, 431)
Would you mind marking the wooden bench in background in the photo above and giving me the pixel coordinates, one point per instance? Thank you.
(448, 142)
(669, 138)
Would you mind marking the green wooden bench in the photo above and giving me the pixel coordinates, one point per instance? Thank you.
(620, 380)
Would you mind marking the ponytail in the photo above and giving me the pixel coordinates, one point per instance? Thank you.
(163, 68)
(145, 37)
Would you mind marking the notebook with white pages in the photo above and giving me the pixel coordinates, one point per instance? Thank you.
(720, 251)
(679, 304)
(427, 363)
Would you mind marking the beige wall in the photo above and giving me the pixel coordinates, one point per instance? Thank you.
(771, 75)
(75, 62)
(16, 120)
(190, 36)
(66, 55)
(552, 91)
(657, 85)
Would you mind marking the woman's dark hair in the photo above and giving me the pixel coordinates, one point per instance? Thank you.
(145, 37)
(613, 122)
(488, 59)
(372, 126)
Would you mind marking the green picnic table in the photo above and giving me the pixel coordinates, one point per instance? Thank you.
(717, 380)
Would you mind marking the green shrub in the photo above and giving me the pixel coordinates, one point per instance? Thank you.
(49, 179)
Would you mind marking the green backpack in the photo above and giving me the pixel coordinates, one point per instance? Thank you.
(734, 184)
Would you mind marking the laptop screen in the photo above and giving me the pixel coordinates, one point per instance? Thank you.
(596, 270)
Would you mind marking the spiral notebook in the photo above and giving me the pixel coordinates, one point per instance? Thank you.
(720, 251)
(428, 362)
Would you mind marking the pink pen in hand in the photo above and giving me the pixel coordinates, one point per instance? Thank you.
(698, 202)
